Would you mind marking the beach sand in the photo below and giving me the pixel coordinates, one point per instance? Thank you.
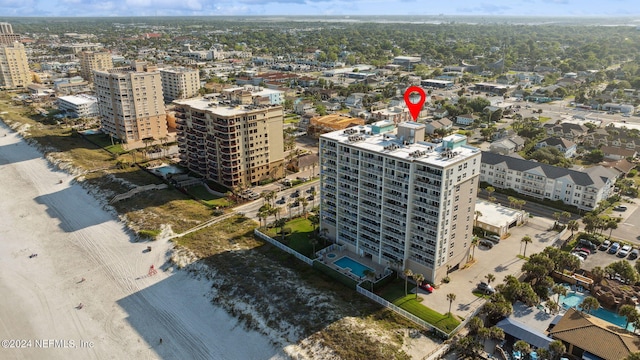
(126, 312)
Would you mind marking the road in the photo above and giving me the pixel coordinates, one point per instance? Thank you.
(250, 209)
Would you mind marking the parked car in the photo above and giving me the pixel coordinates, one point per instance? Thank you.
(634, 254)
(311, 189)
(605, 245)
(295, 194)
(582, 254)
(426, 287)
(486, 288)
(486, 242)
(614, 248)
(580, 257)
(626, 249)
(620, 208)
(587, 244)
(281, 200)
(585, 250)
(494, 238)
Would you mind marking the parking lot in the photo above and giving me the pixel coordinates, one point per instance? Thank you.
(603, 258)
(501, 260)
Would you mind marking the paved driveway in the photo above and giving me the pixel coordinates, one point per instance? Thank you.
(501, 260)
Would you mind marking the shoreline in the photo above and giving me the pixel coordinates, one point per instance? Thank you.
(125, 311)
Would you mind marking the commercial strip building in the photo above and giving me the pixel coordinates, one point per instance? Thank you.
(231, 144)
(179, 83)
(392, 198)
(130, 103)
(83, 106)
(583, 189)
(14, 67)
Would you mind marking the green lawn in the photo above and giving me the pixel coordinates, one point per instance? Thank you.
(208, 198)
(394, 293)
(298, 239)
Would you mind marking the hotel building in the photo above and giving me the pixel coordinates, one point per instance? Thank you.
(231, 144)
(130, 103)
(395, 199)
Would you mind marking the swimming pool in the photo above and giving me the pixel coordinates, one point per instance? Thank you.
(91, 132)
(575, 299)
(356, 268)
(168, 169)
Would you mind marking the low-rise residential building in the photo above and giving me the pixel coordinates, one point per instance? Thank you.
(247, 94)
(507, 146)
(618, 153)
(82, 106)
(582, 189)
(571, 131)
(568, 148)
(465, 119)
(432, 126)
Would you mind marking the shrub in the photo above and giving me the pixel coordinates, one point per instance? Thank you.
(148, 234)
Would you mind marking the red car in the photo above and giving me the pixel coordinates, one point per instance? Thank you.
(427, 287)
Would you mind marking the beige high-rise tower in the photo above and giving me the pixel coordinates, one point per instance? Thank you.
(7, 37)
(130, 103)
(94, 60)
(14, 67)
(180, 83)
(229, 143)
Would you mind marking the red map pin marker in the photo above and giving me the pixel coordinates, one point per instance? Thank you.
(414, 108)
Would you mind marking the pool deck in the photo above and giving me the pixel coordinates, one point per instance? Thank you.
(338, 252)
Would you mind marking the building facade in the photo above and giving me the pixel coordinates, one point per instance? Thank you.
(388, 196)
(82, 106)
(582, 189)
(7, 37)
(14, 67)
(94, 60)
(130, 103)
(231, 144)
(180, 83)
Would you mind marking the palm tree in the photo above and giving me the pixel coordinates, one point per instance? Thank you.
(556, 218)
(497, 333)
(633, 356)
(556, 348)
(475, 324)
(369, 274)
(559, 290)
(611, 224)
(526, 240)
(304, 203)
(565, 215)
(629, 312)
(419, 278)
(552, 306)
(407, 274)
(478, 214)
(589, 303)
(313, 241)
(490, 278)
(474, 244)
(522, 346)
(598, 274)
(573, 225)
(490, 190)
(483, 334)
(451, 297)
(543, 353)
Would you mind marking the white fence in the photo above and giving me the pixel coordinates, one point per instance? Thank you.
(283, 247)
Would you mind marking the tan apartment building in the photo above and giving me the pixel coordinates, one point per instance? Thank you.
(7, 37)
(231, 144)
(94, 60)
(130, 103)
(179, 83)
(14, 67)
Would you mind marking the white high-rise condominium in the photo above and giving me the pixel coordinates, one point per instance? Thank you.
(130, 103)
(389, 196)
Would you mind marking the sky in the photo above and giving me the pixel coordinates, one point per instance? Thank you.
(10, 8)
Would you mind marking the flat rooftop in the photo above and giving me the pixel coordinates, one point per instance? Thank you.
(389, 144)
(495, 214)
(78, 99)
(222, 108)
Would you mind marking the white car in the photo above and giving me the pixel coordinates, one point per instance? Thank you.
(578, 256)
(624, 251)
